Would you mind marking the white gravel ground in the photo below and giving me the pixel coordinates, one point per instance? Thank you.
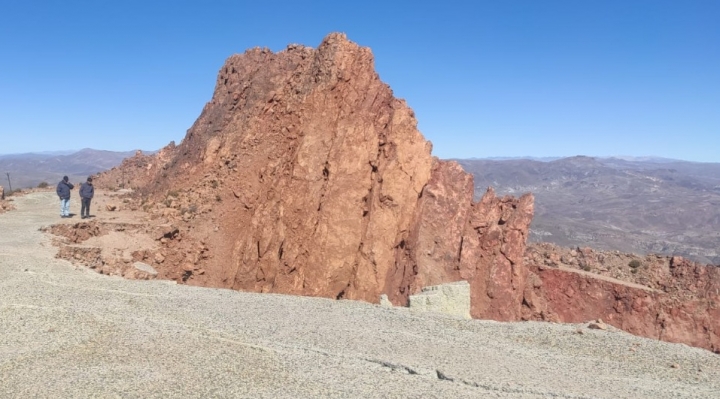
(72, 333)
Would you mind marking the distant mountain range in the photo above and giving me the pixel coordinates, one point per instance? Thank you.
(549, 159)
(632, 204)
(30, 169)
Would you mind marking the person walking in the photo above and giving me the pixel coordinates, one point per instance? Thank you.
(63, 191)
(86, 193)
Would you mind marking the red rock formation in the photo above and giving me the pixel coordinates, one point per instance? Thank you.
(319, 182)
(495, 239)
(329, 167)
(430, 254)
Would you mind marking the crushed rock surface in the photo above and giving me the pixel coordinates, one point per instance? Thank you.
(68, 332)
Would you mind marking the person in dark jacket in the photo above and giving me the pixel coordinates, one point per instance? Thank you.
(63, 191)
(86, 193)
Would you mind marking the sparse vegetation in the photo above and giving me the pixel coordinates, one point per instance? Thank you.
(214, 184)
(43, 184)
(172, 193)
(634, 264)
(585, 267)
(218, 198)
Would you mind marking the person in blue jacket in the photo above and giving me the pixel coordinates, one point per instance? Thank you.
(86, 193)
(63, 191)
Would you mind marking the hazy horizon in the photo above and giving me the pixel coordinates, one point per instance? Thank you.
(636, 158)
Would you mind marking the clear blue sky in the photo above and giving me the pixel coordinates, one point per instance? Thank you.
(485, 78)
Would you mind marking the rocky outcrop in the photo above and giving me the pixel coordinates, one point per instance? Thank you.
(328, 167)
(313, 179)
(431, 253)
(483, 243)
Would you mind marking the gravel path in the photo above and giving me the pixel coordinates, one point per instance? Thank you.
(67, 332)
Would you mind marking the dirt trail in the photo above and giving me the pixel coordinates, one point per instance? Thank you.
(67, 331)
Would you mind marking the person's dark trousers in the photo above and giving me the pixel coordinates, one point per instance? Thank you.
(85, 207)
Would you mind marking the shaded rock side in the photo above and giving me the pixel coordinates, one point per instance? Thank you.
(493, 249)
(431, 253)
(454, 239)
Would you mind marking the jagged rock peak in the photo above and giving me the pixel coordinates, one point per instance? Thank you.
(317, 182)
